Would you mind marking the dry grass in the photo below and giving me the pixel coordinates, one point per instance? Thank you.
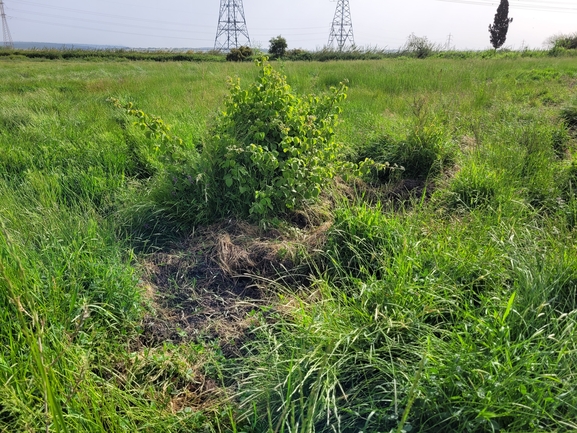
(205, 287)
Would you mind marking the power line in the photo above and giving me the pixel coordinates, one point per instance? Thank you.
(133, 18)
(93, 13)
(115, 2)
(171, 23)
(76, 19)
(110, 31)
(526, 4)
(203, 35)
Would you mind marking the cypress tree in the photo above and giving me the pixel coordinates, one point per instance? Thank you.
(498, 29)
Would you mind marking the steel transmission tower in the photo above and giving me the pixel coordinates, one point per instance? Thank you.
(5, 30)
(232, 31)
(342, 27)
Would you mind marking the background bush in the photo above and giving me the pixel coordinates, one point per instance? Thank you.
(240, 54)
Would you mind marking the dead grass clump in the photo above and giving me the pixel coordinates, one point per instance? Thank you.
(468, 144)
(206, 286)
(231, 258)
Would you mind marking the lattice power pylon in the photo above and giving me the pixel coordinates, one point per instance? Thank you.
(232, 31)
(5, 30)
(342, 27)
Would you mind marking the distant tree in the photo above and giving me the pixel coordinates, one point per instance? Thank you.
(498, 30)
(277, 47)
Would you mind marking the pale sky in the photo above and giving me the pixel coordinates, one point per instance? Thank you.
(303, 23)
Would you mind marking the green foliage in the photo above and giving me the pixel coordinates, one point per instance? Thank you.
(560, 139)
(277, 47)
(513, 335)
(448, 329)
(240, 54)
(361, 242)
(163, 145)
(324, 54)
(454, 319)
(426, 152)
(473, 187)
(298, 54)
(327, 54)
(271, 150)
(546, 74)
(329, 369)
(113, 54)
(498, 30)
(63, 288)
(421, 152)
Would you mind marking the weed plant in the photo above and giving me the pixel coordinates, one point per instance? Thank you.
(450, 331)
(569, 114)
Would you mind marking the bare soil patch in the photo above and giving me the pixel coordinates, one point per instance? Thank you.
(206, 286)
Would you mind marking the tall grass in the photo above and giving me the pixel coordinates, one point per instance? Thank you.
(69, 291)
(466, 329)
(450, 313)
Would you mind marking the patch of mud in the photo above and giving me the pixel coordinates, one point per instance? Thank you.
(208, 286)
(408, 189)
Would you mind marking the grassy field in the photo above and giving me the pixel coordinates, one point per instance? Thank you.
(436, 296)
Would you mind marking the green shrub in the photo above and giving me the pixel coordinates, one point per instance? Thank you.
(557, 52)
(270, 149)
(298, 54)
(354, 53)
(566, 42)
(277, 47)
(419, 47)
(240, 54)
(426, 151)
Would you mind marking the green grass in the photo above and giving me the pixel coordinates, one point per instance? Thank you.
(453, 312)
